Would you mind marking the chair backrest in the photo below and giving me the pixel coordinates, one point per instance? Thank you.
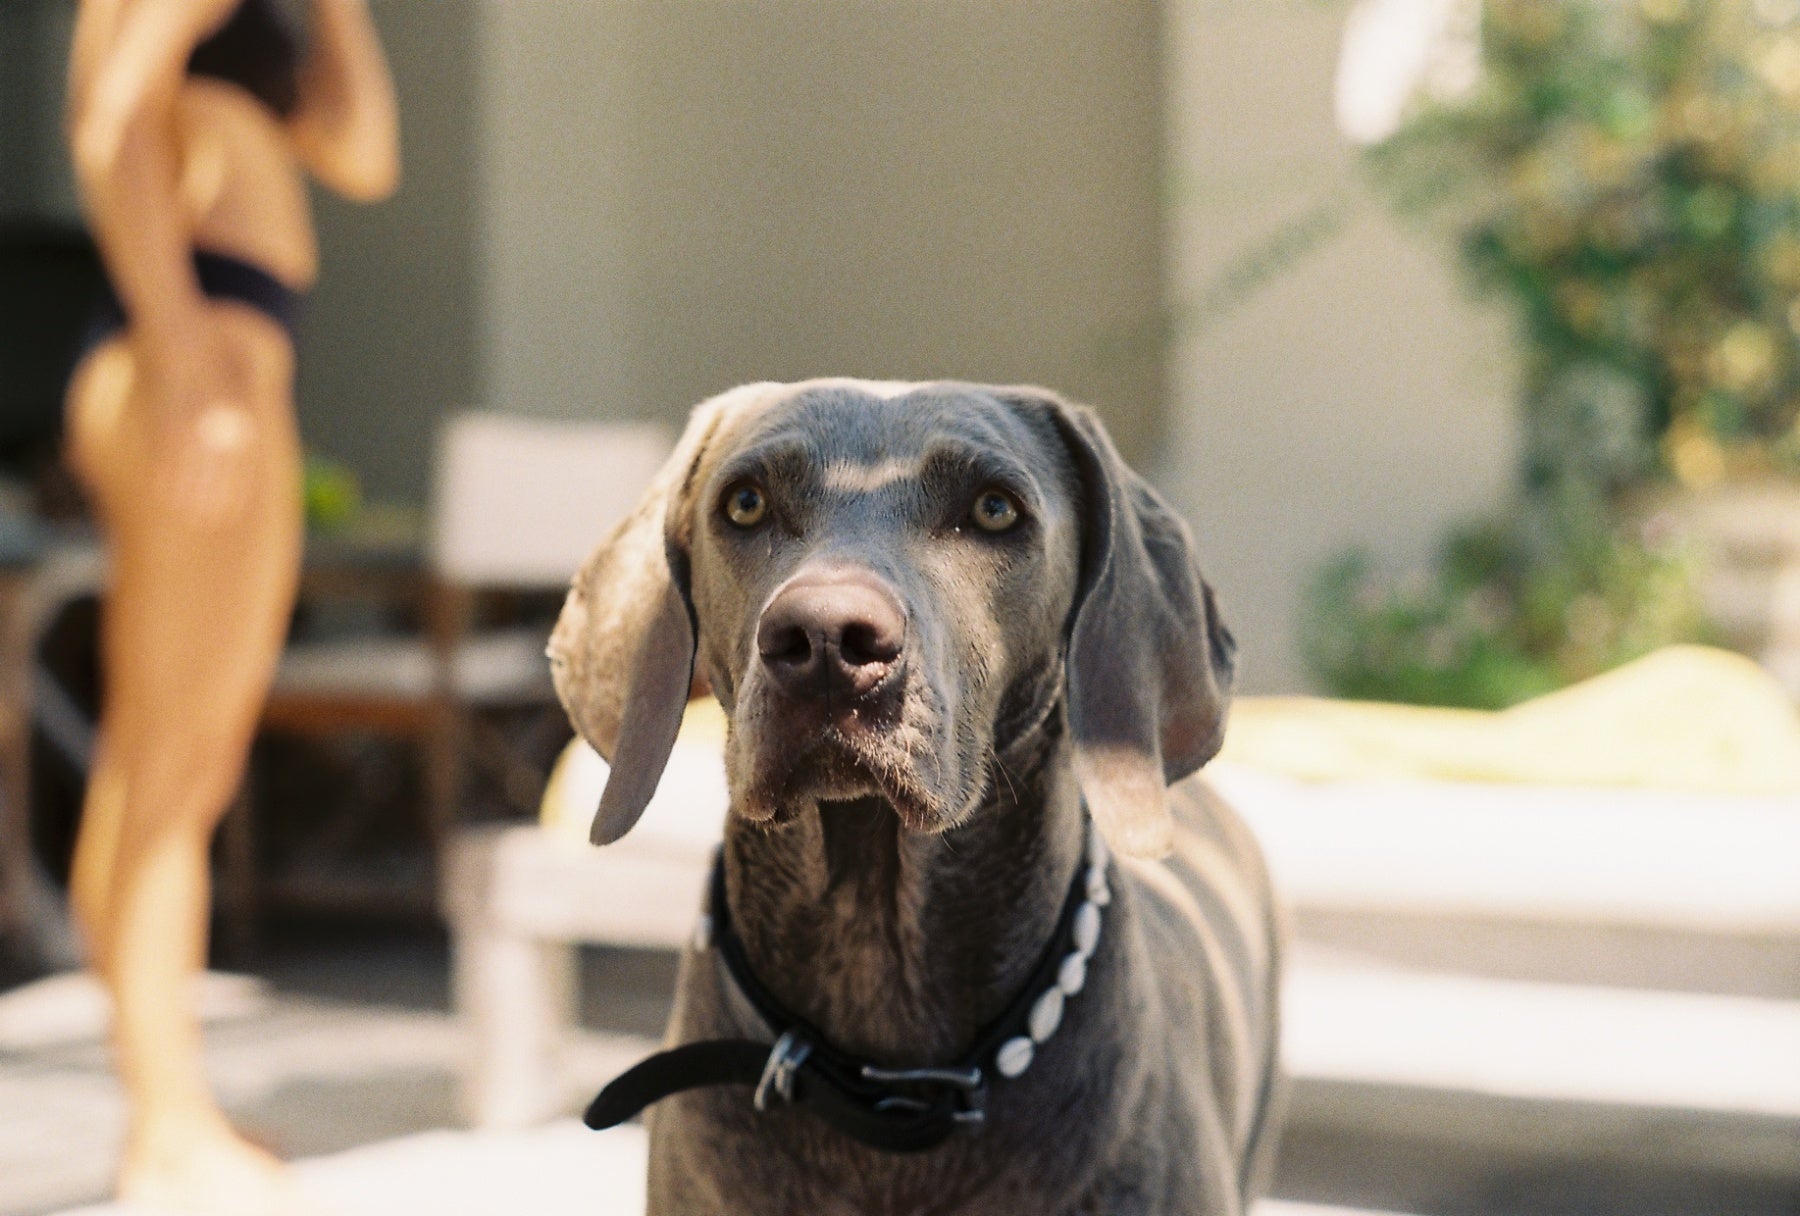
(520, 501)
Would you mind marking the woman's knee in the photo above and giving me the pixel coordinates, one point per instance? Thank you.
(187, 783)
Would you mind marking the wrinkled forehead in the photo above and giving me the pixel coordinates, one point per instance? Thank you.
(850, 438)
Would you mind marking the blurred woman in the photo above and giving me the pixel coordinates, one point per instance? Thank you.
(193, 123)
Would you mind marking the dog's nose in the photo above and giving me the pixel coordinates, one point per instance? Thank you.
(840, 635)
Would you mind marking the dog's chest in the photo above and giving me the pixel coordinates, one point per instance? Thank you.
(712, 1155)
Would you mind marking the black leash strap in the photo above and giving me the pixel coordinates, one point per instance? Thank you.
(874, 1112)
(899, 1110)
(713, 1062)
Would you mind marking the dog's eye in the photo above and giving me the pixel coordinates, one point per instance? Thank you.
(995, 511)
(745, 504)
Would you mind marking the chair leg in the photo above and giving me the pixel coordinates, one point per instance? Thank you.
(515, 997)
(448, 609)
(521, 782)
(443, 760)
(15, 831)
(237, 897)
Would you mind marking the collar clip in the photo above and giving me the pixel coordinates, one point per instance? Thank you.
(785, 1058)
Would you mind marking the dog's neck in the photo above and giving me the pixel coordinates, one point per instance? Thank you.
(901, 946)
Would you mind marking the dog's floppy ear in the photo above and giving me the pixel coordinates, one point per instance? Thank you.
(622, 654)
(1150, 663)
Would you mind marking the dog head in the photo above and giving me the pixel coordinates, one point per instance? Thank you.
(885, 585)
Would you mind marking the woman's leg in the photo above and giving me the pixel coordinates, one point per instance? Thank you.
(193, 627)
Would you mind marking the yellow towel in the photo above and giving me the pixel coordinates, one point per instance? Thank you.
(573, 790)
(1686, 717)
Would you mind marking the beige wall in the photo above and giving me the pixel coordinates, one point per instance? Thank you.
(389, 340)
(679, 195)
(616, 207)
(1357, 397)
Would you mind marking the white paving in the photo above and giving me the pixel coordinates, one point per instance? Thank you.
(558, 1170)
(1346, 1019)
(1502, 1066)
(72, 1007)
(310, 1077)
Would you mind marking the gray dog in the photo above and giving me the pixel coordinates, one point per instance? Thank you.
(963, 650)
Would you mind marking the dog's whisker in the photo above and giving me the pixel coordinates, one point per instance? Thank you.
(1000, 767)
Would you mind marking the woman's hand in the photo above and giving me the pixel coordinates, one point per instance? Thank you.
(347, 126)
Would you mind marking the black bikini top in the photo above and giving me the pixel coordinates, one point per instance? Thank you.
(259, 50)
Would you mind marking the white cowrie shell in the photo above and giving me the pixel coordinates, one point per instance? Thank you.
(1097, 853)
(1014, 1056)
(1098, 892)
(1087, 928)
(1046, 1015)
(1072, 974)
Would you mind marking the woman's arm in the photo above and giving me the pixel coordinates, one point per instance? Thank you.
(347, 126)
(121, 133)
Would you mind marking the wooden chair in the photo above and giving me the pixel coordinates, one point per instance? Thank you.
(516, 504)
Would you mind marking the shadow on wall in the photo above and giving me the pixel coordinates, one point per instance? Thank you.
(1351, 396)
(390, 341)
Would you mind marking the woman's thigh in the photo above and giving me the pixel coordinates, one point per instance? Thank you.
(197, 605)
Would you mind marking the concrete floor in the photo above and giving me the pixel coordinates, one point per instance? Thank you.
(350, 1044)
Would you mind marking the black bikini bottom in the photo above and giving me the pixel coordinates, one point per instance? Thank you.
(221, 278)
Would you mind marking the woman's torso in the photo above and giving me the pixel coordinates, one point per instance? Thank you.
(242, 190)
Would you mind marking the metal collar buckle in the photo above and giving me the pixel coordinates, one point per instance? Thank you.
(970, 1085)
(790, 1051)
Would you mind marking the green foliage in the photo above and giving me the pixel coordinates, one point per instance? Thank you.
(331, 493)
(1511, 610)
(1626, 176)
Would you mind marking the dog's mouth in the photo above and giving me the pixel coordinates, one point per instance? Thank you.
(839, 768)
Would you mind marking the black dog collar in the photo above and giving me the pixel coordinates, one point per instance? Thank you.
(896, 1109)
